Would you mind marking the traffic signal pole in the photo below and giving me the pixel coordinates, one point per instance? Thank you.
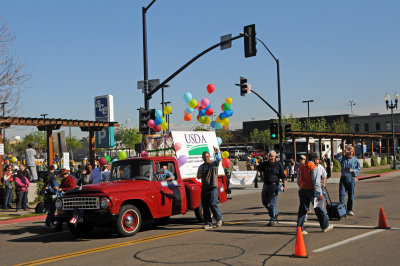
(279, 98)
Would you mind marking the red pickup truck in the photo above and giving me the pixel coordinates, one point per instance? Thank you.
(132, 194)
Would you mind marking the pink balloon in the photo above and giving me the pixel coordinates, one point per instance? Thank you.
(209, 111)
(157, 128)
(210, 88)
(205, 102)
(177, 146)
(102, 161)
(151, 123)
(144, 154)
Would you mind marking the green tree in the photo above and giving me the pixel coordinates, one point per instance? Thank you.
(319, 125)
(225, 134)
(128, 137)
(340, 126)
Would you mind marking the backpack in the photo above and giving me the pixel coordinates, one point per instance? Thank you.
(40, 208)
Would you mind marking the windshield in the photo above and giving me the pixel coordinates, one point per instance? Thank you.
(132, 169)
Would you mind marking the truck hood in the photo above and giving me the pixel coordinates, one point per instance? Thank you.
(111, 187)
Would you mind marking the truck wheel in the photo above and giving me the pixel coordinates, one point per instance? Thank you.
(80, 229)
(199, 213)
(129, 221)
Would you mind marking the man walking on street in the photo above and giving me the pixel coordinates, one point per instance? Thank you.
(272, 171)
(30, 154)
(307, 195)
(350, 168)
(208, 173)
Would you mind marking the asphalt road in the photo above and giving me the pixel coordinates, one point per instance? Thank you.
(244, 239)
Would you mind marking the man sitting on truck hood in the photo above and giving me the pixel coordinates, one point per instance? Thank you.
(208, 172)
(164, 174)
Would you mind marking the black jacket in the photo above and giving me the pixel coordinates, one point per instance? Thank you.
(272, 171)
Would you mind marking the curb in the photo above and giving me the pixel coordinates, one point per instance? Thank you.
(24, 220)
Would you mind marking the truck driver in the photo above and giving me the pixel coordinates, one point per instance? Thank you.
(164, 174)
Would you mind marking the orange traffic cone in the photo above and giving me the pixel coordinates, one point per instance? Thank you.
(382, 219)
(300, 250)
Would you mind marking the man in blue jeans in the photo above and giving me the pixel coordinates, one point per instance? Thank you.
(272, 171)
(350, 167)
(208, 172)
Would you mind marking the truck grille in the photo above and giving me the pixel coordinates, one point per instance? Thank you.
(85, 203)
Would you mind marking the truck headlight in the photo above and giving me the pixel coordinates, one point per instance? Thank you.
(58, 204)
(104, 202)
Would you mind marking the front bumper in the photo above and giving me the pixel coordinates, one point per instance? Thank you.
(96, 217)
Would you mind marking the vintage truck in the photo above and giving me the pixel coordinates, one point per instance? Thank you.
(134, 193)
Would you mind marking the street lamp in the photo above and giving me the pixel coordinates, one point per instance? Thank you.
(392, 106)
(308, 108)
(44, 115)
(351, 104)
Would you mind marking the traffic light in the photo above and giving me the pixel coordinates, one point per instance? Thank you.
(288, 130)
(243, 86)
(144, 116)
(274, 131)
(250, 48)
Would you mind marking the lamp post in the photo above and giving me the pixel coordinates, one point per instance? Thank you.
(3, 107)
(392, 106)
(308, 109)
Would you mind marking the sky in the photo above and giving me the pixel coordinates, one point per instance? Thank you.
(329, 51)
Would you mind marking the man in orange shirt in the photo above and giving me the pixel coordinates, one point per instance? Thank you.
(307, 195)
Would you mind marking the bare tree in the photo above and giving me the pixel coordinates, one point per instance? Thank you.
(12, 76)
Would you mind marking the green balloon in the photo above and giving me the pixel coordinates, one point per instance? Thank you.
(108, 158)
(193, 103)
(226, 106)
(122, 155)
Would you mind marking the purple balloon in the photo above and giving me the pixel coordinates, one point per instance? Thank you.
(182, 160)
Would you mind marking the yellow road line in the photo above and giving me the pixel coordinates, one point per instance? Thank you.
(123, 244)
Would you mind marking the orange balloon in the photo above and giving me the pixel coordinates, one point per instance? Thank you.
(188, 117)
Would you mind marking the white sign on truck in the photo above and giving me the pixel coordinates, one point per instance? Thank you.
(193, 144)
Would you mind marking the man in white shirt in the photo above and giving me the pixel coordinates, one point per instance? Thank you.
(30, 154)
(318, 176)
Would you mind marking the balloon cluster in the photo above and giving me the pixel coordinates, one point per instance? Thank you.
(159, 122)
(205, 110)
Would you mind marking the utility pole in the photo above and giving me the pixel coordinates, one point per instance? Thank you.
(351, 104)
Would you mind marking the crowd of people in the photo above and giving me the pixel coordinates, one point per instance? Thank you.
(311, 174)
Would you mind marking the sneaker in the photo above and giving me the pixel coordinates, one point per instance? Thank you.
(271, 223)
(329, 228)
(276, 216)
(219, 223)
(350, 213)
(208, 227)
(305, 233)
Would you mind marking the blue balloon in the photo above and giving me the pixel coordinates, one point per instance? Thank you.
(212, 124)
(226, 113)
(207, 107)
(231, 112)
(187, 96)
(189, 110)
(158, 113)
(202, 113)
(158, 121)
(114, 160)
(219, 141)
(222, 115)
(218, 125)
